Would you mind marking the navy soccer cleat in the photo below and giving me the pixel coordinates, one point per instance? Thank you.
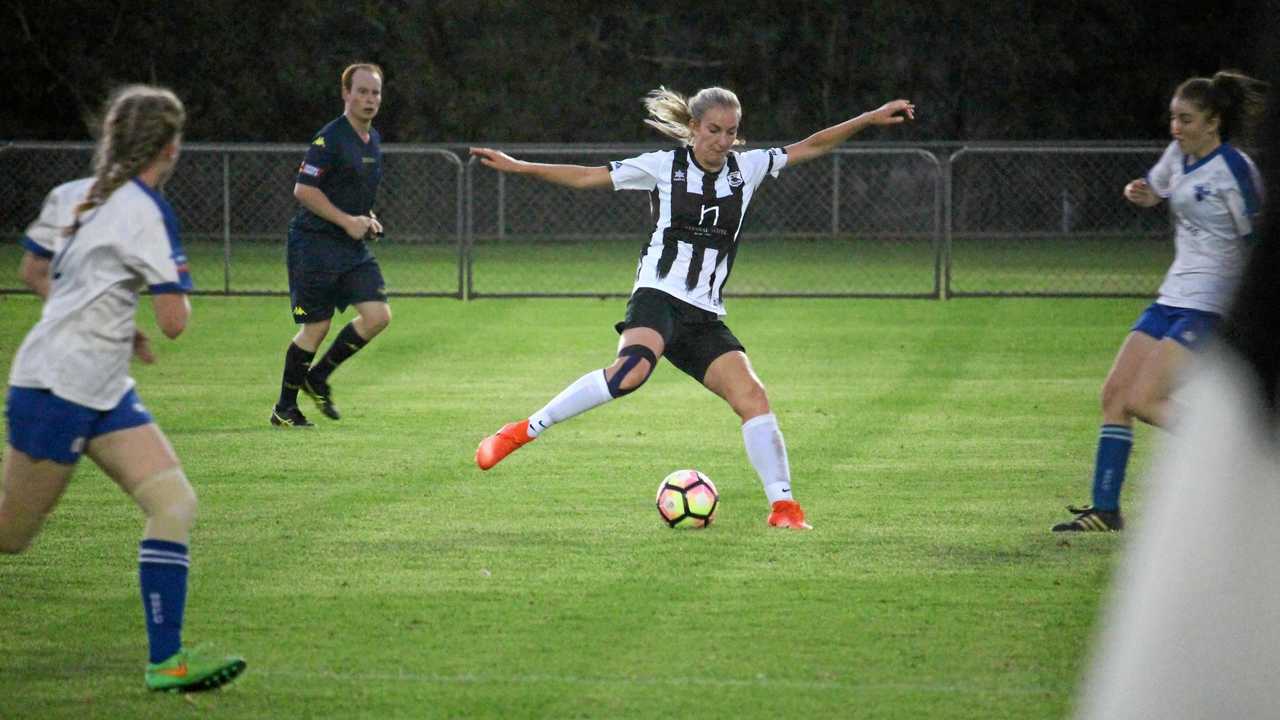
(290, 417)
(321, 393)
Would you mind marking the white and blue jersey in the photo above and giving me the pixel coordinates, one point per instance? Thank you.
(1214, 204)
(81, 346)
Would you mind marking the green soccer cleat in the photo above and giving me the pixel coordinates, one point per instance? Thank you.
(193, 671)
(1089, 520)
(320, 392)
(290, 417)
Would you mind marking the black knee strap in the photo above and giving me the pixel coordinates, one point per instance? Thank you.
(633, 354)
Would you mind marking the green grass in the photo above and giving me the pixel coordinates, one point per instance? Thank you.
(844, 264)
(367, 569)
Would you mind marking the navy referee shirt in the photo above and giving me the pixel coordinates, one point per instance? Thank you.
(347, 170)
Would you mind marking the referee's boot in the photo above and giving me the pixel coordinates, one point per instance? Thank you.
(788, 514)
(289, 417)
(502, 443)
(1087, 519)
(320, 391)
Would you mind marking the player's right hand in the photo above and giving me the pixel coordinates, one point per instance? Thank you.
(1139, 192)
(496, 159)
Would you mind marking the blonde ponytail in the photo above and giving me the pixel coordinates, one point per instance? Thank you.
(670, 112)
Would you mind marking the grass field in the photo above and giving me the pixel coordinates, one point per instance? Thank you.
(367, 569)
(845, 264)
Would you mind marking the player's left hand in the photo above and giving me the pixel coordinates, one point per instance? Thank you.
(375, 228)
(892, 113)
(142, 347)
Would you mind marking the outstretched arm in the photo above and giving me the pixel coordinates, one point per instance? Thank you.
(574, 176)
(821, 142)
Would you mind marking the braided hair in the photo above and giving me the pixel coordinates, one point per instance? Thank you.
(140, 120)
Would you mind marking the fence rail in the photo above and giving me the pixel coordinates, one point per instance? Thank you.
(864, 221)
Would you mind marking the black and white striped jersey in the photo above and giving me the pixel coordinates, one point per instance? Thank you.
(697, 217)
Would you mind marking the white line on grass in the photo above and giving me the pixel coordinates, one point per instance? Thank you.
(757, 681)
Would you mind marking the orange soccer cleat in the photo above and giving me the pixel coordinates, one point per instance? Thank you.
(502, 443)
(788, 514)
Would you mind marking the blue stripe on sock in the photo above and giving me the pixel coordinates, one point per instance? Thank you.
(1114, 444)
(162, 577)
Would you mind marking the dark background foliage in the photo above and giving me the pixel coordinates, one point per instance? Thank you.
(573, 71)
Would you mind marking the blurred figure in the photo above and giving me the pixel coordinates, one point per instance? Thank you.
(1214, 195)
(1194, 629)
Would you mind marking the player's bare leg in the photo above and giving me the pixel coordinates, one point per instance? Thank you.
(142, 462)
(731, 377)
(28, 493)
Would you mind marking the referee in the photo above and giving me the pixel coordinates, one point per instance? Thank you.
(330, 264)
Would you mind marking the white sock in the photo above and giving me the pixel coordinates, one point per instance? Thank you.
(768, 455)
(585, 393)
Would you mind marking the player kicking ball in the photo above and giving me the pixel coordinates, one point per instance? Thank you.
(676, 308)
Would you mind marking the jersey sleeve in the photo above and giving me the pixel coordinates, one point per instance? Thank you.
(1160, 176)
(319, 160)
(43, 236)
(637, 173)
(158, 255)
(1243, 196)
(756, 165)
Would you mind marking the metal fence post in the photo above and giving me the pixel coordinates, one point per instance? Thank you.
(835, 194)
(226, 223)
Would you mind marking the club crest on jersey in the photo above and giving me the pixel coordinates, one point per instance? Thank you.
(1203, 191)
(735, 179)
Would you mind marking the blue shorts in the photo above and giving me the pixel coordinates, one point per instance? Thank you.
(46, 427)
(321, 281)
(1189, 328)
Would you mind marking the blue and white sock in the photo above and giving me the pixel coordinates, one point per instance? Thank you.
(1114, 444)
(162, 574)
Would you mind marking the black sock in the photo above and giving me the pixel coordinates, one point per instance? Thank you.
(347, 343)
(296, 363)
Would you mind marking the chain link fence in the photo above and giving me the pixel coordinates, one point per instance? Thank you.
(234, 203)
(866, 221)
(1053, 222)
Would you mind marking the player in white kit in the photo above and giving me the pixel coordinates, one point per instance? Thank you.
(700, 193)
(102, 240)
(1214, 193)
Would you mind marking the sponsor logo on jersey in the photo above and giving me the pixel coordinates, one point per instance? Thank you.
(1203, 190)
(735, 179)
(308, 169)
(678, 176)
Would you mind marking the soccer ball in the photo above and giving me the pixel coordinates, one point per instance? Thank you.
(687, 498)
